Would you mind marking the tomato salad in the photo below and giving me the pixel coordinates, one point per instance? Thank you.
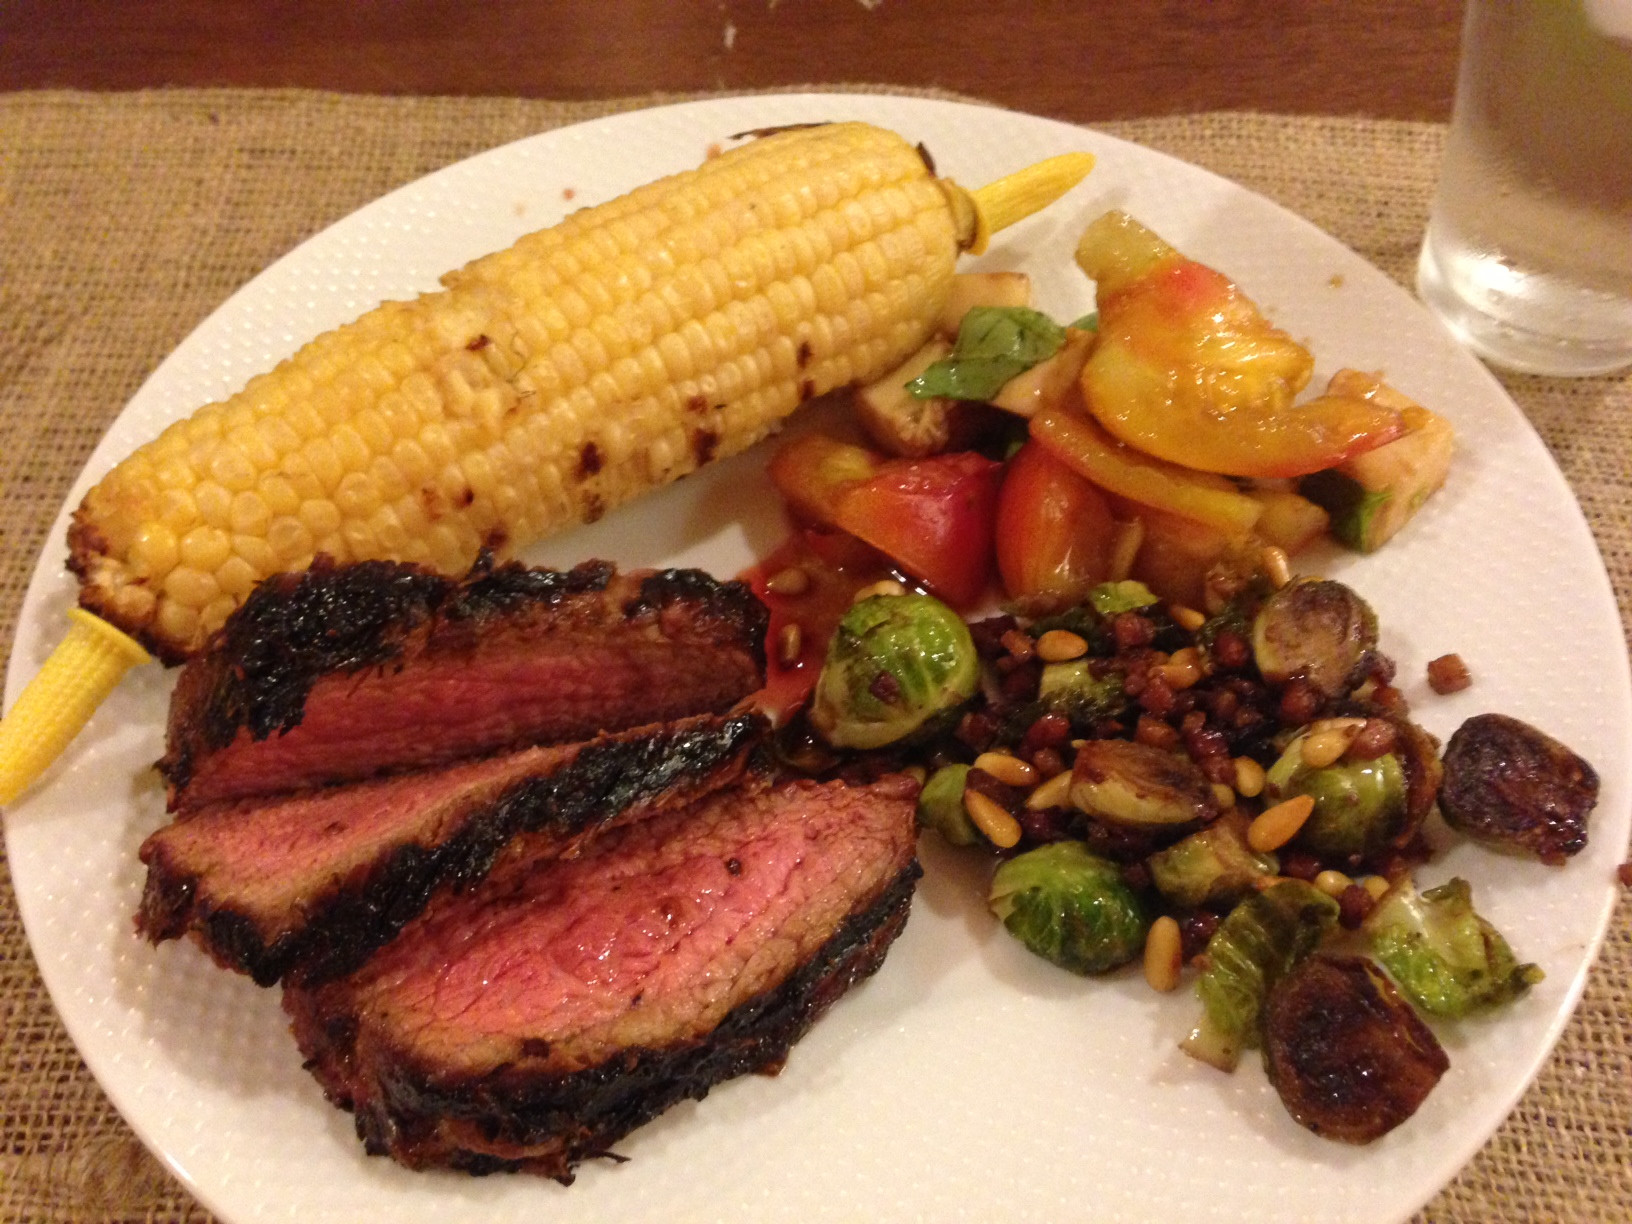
(1177, 752)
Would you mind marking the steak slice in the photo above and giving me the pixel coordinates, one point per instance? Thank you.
(312, 883)
(341, 673)
(532, 1023)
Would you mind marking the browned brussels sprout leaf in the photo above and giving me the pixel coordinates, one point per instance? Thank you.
(1256, 944)
(1514, 787)
(1348, 1056)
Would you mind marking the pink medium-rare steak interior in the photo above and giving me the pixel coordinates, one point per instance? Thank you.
(294, 882)
(348, 672)
(648, 939)
(449, 708)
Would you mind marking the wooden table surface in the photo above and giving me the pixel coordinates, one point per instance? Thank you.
(1080, 60)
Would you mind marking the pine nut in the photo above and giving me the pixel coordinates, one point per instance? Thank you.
(1375, 885)
(1275, 826)
(1333, 883)
(1163, 954)
(1129, 538)
(1052, 793)
(1249, 778)
(884, 586)
(1223, 796)
(1009, 770)
(790, 581)
(1327, 740)
(1182, 669)
(1277, 566)
(1001, 829)
(1185, 618)
(789, 643)
(1061, 646)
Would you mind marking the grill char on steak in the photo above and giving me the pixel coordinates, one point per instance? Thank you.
(312, 883)
(341, 673)
(534, 1022)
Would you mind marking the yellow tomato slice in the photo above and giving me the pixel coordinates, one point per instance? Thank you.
(1188, 369)
(1092, 453)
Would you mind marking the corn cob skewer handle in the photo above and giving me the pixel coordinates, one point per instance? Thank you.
(84, 668)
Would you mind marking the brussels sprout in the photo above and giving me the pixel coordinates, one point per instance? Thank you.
(1256, 944)
(940, 806)
(1360, 806)
(1445, 958)
(1318, 631)
(1129, 784)
(1109, 598)
(894, 663)
(1212, 867)
(1070, 907)
(1072, 689)
(1514, 787)
(1347, 1055)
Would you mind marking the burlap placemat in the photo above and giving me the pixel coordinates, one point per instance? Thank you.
(125, 219)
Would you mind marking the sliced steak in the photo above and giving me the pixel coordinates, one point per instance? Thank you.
(532, 1023)
(341, 673)
(312, 883)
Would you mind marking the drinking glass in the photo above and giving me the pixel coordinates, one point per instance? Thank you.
(1528, 254)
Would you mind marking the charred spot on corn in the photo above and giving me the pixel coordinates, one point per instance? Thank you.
(589, 460)
(704, 444)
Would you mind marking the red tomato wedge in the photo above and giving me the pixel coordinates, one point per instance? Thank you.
(933, 517)
(1055, 530)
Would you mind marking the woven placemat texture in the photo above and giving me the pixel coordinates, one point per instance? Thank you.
(126, 219)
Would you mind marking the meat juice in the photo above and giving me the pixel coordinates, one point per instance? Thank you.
(1529, 249)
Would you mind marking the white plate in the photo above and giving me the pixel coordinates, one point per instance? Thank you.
(967, 1081)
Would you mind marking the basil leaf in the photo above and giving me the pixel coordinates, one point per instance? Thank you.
(1088, 322)
(994, 344)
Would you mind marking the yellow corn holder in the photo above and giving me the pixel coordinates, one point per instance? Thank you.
(539, 388)
(60, 700)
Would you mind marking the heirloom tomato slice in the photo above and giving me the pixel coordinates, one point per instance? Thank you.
(1055, 530)
(1187, 369)
(933, 517)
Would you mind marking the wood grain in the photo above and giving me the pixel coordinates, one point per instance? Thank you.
(1080, 60)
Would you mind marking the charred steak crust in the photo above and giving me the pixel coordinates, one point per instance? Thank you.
(609, 779)
(553, 1123)
(294, 630)
(587, 1112)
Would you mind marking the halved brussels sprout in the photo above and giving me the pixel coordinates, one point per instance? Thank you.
(1361, 807)
(1212, 867)
(1347, 1055)
(1511, 786)
(940, 806)
(1318, 631)
(1070, 906)
(1443, 956)
(894, 663)
(1256, 944)
(1134, 785)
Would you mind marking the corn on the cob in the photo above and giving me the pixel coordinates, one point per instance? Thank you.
(544, 384)
(540, 387)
